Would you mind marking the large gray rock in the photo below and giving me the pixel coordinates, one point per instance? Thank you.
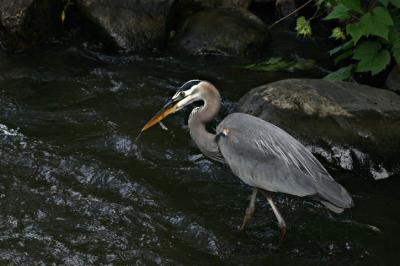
(133, 25)
(393, 80)
(225, 31)
(26, 23)
(351, 126)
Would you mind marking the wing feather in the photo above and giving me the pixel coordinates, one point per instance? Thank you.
(265, 156)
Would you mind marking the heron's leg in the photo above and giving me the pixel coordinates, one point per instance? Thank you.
(281, 221)
(250, 208)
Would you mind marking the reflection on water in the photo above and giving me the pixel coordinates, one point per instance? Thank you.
(77, 189)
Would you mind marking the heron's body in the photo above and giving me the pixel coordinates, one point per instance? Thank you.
(282, 164)
(261, 154)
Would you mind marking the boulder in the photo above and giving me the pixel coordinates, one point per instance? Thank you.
(393, 80)
(217, 3)
(26, 23)
(133, 25)
(350, 126)
(224, 31)
(285, 7)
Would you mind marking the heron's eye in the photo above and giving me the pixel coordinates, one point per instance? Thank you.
(181, 94)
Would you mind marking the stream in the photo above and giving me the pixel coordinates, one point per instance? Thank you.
(76, 188)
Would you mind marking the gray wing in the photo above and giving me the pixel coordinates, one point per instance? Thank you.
(267, 157)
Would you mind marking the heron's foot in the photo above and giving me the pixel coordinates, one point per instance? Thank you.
(276, 247)
(247, 217)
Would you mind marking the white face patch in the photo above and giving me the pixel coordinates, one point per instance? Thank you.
(190, 96)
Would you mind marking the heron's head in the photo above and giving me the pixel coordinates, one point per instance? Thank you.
(188, 93)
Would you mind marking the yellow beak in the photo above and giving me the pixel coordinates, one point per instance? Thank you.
(169, 108)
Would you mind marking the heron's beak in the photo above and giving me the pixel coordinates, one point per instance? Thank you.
(169, 108)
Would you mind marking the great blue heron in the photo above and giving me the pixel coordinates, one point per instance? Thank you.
(261, 154)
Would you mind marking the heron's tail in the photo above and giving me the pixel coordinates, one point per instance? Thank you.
(334, 196)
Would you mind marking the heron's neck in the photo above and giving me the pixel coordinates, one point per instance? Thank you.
(201, 115)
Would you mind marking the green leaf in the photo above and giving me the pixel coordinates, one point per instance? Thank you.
(343, 56)
(382, 15)
(366, 49)
(353, 5)
(384, 2)
(396, 3)
(394, 38)
(376, 23)
(303, 27)
(396, 54)
(338, 34)
(371, 57)
(345, 46)
(356, 31)
(378, 63)
(343, 73)
(339, 12)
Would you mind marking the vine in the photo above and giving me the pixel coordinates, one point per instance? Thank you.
(369, 33)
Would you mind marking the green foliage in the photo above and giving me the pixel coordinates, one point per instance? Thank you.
(339, 12)
(356, 30)
(396, 3)
(353, 5)
(280, 64)
(371, 57)
(376, 23)
(370, 32)
(394, 38)
(338, 34)
(303, 27)
(343, 73)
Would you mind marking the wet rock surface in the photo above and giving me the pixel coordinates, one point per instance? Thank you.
(25, 23)
(224, 31)
(129, 25)
(351, 126)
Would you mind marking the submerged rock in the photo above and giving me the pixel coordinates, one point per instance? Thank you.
(129, 25)
(225, 31)
(26, 23)
(351, 126)
(393, 80)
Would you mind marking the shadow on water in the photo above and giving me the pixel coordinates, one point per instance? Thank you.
(77, 189)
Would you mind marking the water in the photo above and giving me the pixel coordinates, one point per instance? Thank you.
(77, 189)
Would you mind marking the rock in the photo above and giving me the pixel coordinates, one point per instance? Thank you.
(133, 25)
(351, 126)
(217, 3)
(393, 80)
(225, 31)
(285, 7)
(26, 23)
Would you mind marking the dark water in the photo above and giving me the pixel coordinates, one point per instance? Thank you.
(77, 189)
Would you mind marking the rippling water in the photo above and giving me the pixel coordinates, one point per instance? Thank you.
(77, 189)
